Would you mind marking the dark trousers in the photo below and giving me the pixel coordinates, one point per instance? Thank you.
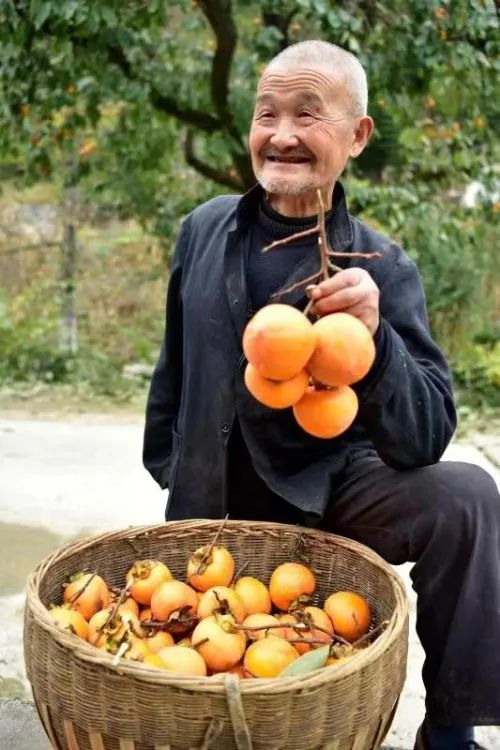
(444, 518)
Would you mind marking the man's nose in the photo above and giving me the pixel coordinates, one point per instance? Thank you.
(284, 135)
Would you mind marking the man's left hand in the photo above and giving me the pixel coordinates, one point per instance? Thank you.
(351, 291)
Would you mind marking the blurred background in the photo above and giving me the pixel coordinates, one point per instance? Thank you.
(118, 117)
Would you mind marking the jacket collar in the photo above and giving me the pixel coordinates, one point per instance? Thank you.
(340, 229)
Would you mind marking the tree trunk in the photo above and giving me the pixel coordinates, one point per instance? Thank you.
(68, 333)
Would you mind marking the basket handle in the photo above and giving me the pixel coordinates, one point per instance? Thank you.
(240, 727)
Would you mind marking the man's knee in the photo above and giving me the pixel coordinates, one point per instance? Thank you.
(463, 491)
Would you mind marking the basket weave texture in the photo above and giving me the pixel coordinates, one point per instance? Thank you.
(86, 702)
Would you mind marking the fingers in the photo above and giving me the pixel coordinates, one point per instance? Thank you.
(349, 277)
(351, 291)
(340, 301)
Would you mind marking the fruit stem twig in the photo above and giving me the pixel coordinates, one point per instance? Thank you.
(130, 541)
(238, 572)
(78, 594)
(306, 640)
(200, 643)
(208, 552)
(123, 595)
(324, 247)
(325, 252)
(296, 286)
(367, 636)
(295, 236)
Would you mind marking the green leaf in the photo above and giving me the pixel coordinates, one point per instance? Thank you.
(40, 12)
(314, 659)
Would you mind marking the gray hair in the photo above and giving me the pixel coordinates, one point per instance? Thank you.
(333, 59)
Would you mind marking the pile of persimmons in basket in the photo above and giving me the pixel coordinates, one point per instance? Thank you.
(216, 621)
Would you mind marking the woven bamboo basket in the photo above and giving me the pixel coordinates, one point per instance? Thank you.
(88, 702)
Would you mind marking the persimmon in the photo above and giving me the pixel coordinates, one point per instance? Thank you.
(153, 660)
(339, 653)
(257, 620)
(332, 660)
(145, 614)
(105, 636)
(87, 593)
(219, 643)
(310, 617)
(277, 394)
(290, 584)
(344, 350)
(350, 614)
(176, 602)
(183, 661)
(223, 600)
(239, 670)
(217, 569)
(254, 595)
(159, 640)
(138, 649)
(70, 619)
(278, 341)
(269, 657)
(326, 413)
(146, 576)
(128, 603)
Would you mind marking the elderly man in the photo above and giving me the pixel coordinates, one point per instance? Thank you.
(219, 451)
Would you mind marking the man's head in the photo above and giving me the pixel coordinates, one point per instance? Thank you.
(310, 117)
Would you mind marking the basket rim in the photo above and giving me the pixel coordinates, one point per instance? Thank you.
(215, 683)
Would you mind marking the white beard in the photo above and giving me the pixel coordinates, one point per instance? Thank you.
(280, 186)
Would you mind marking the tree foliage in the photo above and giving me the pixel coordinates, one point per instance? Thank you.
(146, 104)
(125, 94)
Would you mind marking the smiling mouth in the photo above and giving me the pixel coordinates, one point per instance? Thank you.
(288, 159)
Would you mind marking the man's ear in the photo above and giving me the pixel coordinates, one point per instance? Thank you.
(362, 135)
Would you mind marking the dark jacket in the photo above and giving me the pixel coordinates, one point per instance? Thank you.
(406, 411)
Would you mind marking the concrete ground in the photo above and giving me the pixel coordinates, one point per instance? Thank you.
(62, 480)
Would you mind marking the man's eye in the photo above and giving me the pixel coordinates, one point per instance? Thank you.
(266, 115)
(305, 114)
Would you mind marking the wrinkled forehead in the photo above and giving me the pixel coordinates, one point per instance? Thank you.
(312, 85)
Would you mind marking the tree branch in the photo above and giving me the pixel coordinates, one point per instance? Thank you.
(280, 21)
(218, 14)
(223, 178)
(202, 120)
(167, 104)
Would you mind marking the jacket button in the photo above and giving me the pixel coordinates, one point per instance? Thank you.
(225, 428)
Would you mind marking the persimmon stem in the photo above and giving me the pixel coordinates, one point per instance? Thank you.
(372, 633)
(325, 252)
(130, 541)
(120, 600)
(295, 236)
(306, 640)
(259, 627)
(296, 286)
(200, 643)
(237, 573)
(354, 254)
(78, 594)
(208, 552)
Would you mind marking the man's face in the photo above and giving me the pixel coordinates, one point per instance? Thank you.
(302, 131)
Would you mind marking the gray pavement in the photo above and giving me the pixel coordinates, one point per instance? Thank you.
(64, 480)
